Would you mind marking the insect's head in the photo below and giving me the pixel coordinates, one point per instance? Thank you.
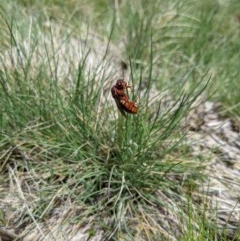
(121, 84)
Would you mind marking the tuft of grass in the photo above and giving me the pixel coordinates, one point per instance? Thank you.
(66, 144)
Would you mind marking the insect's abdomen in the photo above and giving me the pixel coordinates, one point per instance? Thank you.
(129, 106)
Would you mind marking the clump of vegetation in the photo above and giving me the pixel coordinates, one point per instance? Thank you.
(68, 158)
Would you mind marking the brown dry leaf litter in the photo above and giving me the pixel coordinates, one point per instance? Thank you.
(216, 138)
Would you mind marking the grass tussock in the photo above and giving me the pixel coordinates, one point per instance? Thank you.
(66, 154)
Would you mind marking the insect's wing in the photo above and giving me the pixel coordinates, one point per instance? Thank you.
(120, 107)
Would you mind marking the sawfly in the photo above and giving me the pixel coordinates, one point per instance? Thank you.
(121, 98)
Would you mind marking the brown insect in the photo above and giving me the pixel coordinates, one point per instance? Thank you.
(121, 98)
